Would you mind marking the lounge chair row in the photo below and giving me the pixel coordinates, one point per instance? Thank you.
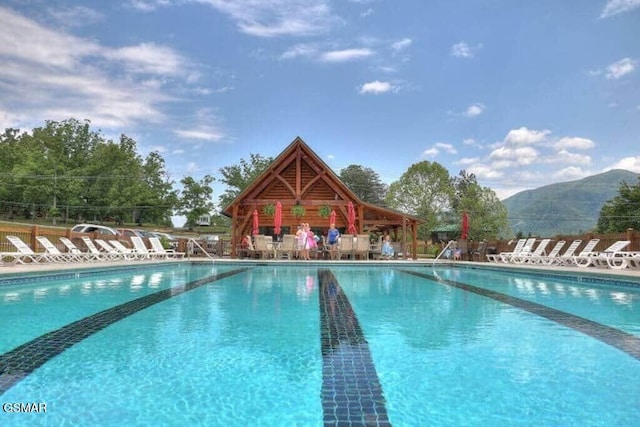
(612, 257)
(97, 250)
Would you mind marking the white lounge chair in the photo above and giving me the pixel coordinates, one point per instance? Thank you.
(613, 256)
(156, 244)
(498, 257)
(529, 256)
(588, 253)
(73, 249)
(25, 253)
(507, 257)
(567, 256)
(141, 249)
(552, 256)
(362, 246)
(104, 255)
(128, 254)
(55, 254)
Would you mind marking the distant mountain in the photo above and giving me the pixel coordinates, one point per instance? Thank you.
(565, 208)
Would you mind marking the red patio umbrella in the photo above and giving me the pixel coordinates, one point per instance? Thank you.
(332, 217)
(351, 219)
(277, 219)
(256, 229)
(465, 226)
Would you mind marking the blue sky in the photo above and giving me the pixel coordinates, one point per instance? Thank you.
(520, 93)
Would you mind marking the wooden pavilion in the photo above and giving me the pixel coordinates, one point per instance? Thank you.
(308, 191)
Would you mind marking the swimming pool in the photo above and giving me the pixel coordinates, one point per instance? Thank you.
(320, 344)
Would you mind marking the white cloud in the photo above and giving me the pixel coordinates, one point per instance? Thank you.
(461, 50)
(570, 173)
(505, 157)
(446, 147)
(299, 50)
(401, 44)
(575, 142)
(564, 156)
(468, 161)
(75, 16)
(202, 133)
(376, 87)
(430, 152)
(628, 163)
(614, 7)
(66, 76)
(345, 55)
(524, 136)
(367, 13)
(272, 18)
(149, 58)
(621, 68)
(485, 172)
(474, 110)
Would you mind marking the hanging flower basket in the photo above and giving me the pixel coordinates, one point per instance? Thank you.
(269, 210)
(297, 211)
(324, 211)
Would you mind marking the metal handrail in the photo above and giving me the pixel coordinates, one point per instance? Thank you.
(443, 251)
(190, 244)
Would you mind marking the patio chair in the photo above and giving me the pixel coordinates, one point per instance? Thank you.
(499, 256)
(525, 248)
(157, 247)
(587, 251)
(55, 255)
(610, 257)
(346, 246)
(127, 253)
(527, 256)
(262, 248)
(567, 257)
(286, 247)
(480, 252)
(107, 254)
(25, 254)
(362, 246)
(141, 249)
(553, 255)
(73, 249)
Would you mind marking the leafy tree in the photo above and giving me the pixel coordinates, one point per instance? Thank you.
(238, 177)
(424, 190)
(622, 212)
(365, 183)
(195, 199)
(488, 217)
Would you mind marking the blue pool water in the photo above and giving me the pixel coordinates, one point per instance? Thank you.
(320, 345)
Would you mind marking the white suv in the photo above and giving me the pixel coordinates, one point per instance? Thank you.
(92, 228)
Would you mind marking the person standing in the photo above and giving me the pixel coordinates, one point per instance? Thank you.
(332, 240)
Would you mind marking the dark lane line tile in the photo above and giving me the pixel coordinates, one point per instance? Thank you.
(351, 391)
(621, 340)
(17, 364)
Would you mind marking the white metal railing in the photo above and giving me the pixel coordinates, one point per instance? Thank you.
(443, 250)
(190, 246)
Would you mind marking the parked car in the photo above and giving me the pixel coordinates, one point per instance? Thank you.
(128, 232)
(92, 228)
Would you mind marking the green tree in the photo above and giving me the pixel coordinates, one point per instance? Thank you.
(424, 190)
(488, 217)
(622, 212)
(238, 177)
(365, 183)
(195, 198)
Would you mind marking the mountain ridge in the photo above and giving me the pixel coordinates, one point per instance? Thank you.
(570, 207)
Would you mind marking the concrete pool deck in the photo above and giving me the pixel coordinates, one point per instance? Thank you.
(17, 269)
